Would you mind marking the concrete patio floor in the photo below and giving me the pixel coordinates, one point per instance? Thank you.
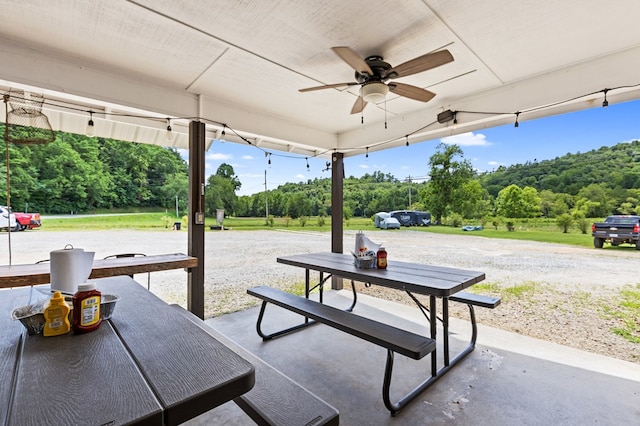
(508, 380)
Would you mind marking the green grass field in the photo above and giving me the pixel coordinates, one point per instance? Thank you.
(542, 230)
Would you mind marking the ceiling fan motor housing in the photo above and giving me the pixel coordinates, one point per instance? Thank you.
(379, 68)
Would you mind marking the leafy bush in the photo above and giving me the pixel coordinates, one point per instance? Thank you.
(564, 221)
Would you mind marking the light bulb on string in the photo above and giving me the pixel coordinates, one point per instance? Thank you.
(169, 131)
(605, 103)
(90, 127)
(516, 124)
(307, 160)
(407, 143)
(367, 154)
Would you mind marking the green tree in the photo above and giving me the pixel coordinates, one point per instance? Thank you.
(532, 202)
(299, 205)
(510, 202)
(449, 171)
(226, 171)
(472, 200)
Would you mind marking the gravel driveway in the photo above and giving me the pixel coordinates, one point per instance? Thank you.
(571, 282)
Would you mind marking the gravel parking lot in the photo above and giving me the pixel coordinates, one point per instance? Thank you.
(566, 288)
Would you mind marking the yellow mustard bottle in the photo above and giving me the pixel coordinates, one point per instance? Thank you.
(56, 316)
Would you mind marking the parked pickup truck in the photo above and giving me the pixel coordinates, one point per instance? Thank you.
(21, 222)
(28, 220)
(617, 229)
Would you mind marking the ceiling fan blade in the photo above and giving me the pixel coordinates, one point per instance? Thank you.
(420, 64)
(328, 86)
(358, 106)
(411, 92)
(352, 59)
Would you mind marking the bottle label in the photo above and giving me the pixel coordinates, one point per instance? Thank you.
(89, 311)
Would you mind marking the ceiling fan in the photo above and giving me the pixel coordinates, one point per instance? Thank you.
(373, 75)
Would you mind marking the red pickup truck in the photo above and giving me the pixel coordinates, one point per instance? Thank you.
(27, 220)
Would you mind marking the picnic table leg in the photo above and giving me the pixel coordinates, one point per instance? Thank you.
(432, 322)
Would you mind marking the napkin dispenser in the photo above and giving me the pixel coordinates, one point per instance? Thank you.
(70, 267)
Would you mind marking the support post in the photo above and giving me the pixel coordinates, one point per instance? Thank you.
(337, 210)
(195, 285)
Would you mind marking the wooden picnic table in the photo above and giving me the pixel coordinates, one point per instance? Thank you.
(34, 274)
(148, 364)
(433, 281)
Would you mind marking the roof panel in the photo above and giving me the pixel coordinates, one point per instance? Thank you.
(242, 62)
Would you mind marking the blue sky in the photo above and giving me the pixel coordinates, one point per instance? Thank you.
(541, 139)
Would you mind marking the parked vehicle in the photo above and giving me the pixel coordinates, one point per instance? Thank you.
(8, 219)
(390, 223)
(412, 217)
(617, 229)
(28, 220)
(379, 217)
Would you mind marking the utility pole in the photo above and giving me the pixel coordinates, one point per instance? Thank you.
(177, 213)
(409, 180)
(266, 197)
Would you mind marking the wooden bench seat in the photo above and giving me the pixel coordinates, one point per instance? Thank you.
(397, 340)
(475, 299)
(275, 399)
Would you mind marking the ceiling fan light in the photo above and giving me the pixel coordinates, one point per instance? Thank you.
(374, 92)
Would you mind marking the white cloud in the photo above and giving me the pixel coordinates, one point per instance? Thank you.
(300, 176)
(216, 156)
(467, 139)
(364, 166)
(247, 157)
(493, 163)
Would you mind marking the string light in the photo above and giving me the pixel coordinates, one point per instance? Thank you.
(307, 160)
(442, 118)
(169, 132)
(90, 127)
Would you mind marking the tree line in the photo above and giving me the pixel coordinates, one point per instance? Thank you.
(582, 185)
(76, 173)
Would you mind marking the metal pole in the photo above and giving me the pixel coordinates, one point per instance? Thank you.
(177, 214)
(266, 197)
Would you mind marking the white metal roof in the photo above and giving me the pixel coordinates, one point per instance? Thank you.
(241, 63)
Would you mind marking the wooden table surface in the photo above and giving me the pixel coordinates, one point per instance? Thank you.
(416, 278)
(147, 365)
(34, 274)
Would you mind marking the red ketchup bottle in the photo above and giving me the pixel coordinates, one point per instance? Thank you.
(381, 258)
(86, 308)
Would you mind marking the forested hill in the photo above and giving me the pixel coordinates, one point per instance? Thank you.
(616, 167)
(76, 173)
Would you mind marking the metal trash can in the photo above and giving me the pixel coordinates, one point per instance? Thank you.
(176, 226)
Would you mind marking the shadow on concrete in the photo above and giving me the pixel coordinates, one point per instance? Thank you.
(508, 380)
